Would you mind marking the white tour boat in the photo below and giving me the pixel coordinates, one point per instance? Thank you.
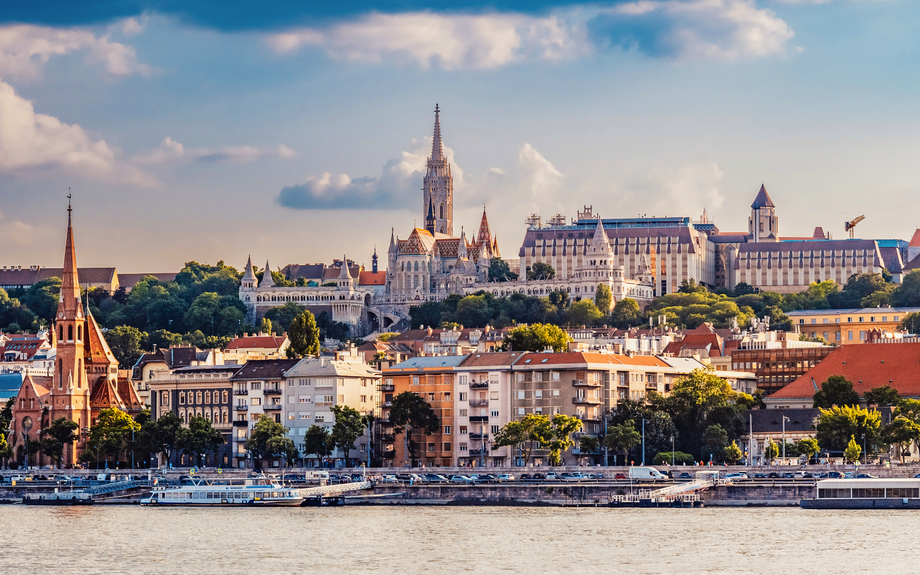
(212, 491)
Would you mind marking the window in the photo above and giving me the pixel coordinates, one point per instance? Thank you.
(446, 396)
(554, 376)
(538, 394)
(304, 415)
(463, 447)
(555, 393)
(446, 430)
(225, 395)
(290, 383)
(255, 401)
(363, 399)
(538, 376)
(463, 430)
(520, 411)
(414, 380)
(303, 382)
(446, 447)
(207, 397)
(520, 394)
(181, 398)
(198, 397)
(494, 413)
(463, 412)
(462, 396)
(255, 385)
(304, 399)
(430, 397)
(862, 335)
(494, 429)
(290, 416)
(493, 395)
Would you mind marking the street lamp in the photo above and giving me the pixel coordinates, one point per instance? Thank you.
(643, 442)
(785, 419)
(672, 451)
(865, 454)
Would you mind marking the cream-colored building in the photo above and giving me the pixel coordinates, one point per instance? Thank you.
(482, 388)
(849, 326)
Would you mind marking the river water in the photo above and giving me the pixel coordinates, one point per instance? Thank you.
(435, 540)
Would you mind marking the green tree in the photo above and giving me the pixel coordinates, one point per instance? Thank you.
(807, 446)
(500, 271)
(626, 313)
(411, 414)
(715, 439)
(318, 441)
(541, 271)
(61, 432)
(348, 427)
(884, 396)
(556, 435)
(265, 325)
(304, 335)
(622, 438)
(268, 440)
(473, 311)
(111, 433)
(911, 322)
(519, 434)
(603, 298)
(733, 453)
(583, 312)
(160, 435)
(908, 293)
(126, 343)
(199, 438)
(678, 457)
(837, 390)
(589, 444)
(282, 317)
(901, 432)
(853, 450)
(770, 450)
(536, 338)
(837, 424)
(6, 452)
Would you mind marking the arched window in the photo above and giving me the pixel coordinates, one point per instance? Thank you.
(69, 333)
(442, 211)
(181, 398)
(80, 332)
(198, 397)
(207, 397)
(60, 333)
(416, 266)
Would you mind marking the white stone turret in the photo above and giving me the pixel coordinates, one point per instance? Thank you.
(267, 280)
(249, 278)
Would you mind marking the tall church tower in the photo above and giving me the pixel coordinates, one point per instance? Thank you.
(438, 188)
(70, 391)
(763, 225)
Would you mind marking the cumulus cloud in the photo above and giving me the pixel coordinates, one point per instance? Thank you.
(682, 191)
(396, 188)
(29, 140)
(539, 177)
(24, 49)
(449, 41)
(171, 151)
(692, 29)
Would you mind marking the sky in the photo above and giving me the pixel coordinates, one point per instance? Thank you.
(298, 133)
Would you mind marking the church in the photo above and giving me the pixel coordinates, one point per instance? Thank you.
(83, 381)
(432, 263)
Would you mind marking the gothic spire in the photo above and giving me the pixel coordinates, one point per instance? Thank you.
(69, 301)
(267, 280)
(485, 234)
(437, 149)
(250, 273)
(600, 244)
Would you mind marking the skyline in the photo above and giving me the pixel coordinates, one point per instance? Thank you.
(178, 132)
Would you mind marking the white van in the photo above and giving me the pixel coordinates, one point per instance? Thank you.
(646, 474)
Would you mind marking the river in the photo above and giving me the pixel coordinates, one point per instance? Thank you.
(436, 540)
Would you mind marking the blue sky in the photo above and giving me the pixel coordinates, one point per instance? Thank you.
(177, 129)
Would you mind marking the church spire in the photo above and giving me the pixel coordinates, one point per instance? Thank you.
(69, 301)
(267, 280)
(437, 148)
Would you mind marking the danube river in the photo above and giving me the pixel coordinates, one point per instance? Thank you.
(435, 540)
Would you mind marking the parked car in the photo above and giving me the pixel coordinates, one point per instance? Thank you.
(623, 475)
(788, 475)
(505, 478)
(485, 478)
(803, 474)
(527, 477)
(435, 478)
(551, 477)
(389, 479)
(740, 475)
(760, 476)
(865, 476)
(683, 475)
(773, 475)
(835, 475)
(574, 476)
(461, 479)
(539, 477)
(409, 477)
(599, 476)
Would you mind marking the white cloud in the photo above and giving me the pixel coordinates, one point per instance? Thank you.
(395, 188)
(539, 177)
(692, 29)
(29, 140)
(171, 151)
(24, 49)
(446, 41)
(16, 233)
(674, 192)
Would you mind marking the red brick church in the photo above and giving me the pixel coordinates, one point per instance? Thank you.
(85, 378)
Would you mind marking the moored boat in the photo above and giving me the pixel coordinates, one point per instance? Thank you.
(865, 494)
(227, 492)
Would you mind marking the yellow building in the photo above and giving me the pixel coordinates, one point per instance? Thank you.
(848, 326)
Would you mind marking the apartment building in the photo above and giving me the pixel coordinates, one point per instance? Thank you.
(201, 391)
(849, 326)
(433, 379)
(314, 385)
(257, 391)
(482, 398)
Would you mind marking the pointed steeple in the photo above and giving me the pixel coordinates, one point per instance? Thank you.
(461, 249)
(267, 280)
(392, 240)
(429, 220)
(437, 148)
(763, 199)
(600, 244)
(69, 300)
(485, 234)
(250, 274)
(344, 273)
(374, 261)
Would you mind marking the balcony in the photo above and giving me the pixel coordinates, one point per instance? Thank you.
(584, 383)
(242, 407)
(387, 387)
(479, 419)
(272, 407)
(587, 400)
(479, 385)
(272, 391)
(479, 403)
(388, 438)
(388, 403)
(240, 392)
(240, 423)
(478, 452)
(479, 436)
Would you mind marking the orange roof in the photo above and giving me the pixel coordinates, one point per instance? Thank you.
(263, 341)
(372, 278)
(915, 241)
(867, 366)
(540, 359)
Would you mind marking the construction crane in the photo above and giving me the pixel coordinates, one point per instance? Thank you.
(850, 226)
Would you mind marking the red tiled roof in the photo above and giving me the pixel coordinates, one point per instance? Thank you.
(540, 359)
(867, 366)
(697, 341)
(915, 240)
(263, 341)
(372, 278)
